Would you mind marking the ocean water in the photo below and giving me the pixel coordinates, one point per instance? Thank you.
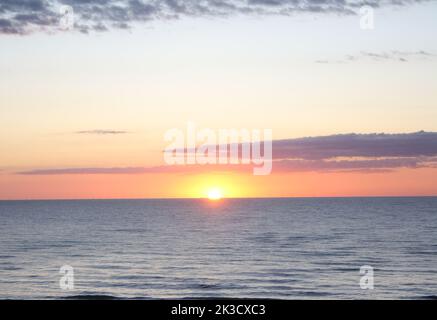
(241, 248)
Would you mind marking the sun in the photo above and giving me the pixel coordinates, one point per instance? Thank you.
(215, 194)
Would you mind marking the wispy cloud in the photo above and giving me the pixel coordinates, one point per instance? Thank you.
(135, 170)
(336, 153)
(101, 132)
(418, 144)
(27, 16)
(69, 171)
(394, 55)
(362, 165)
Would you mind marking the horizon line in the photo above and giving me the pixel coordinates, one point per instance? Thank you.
(224, 198)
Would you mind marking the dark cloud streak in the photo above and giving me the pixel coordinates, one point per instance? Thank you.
(371, 153)
(419, 144)
(101, 132)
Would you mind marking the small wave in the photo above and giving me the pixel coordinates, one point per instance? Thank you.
(207, 286)
(431, 297)
(11, 268)
(92, 297)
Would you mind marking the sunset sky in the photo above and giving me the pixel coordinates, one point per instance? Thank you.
(83, 112)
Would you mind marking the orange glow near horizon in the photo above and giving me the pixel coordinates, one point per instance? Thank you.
(405, 182)
(214, 185)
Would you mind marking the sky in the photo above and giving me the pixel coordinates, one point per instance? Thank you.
(84, 112)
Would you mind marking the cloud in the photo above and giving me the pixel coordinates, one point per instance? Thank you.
(416, 144)
(27, 16)
(394, 55)
(135, 170)
(74, 171)
(366, 165)
(335, 153)
(101, 132)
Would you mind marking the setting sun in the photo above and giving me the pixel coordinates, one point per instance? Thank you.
(215, 194)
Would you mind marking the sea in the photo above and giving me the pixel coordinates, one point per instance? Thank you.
(285, 248)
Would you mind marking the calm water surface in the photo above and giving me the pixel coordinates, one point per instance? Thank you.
(258, 248)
